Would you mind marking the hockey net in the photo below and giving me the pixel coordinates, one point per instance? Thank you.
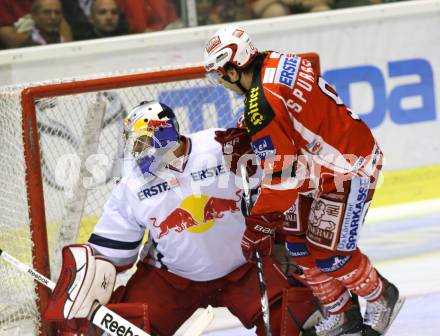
(61, 149)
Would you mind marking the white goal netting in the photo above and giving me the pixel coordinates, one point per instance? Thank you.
(79, 137)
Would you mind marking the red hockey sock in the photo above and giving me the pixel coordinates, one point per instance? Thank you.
(329, 291)
(364, 280)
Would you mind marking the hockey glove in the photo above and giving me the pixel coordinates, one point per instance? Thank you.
(83, 280)
(260, 234)
(235, 143)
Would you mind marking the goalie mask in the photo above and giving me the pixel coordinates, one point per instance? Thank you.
(151, 136)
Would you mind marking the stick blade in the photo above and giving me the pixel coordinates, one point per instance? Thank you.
(201, 323)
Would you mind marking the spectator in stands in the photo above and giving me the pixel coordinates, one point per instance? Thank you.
(105, 19)
(306, 6)
(17, 23)
(47, 17)
(77, 14)
(150, 15)
(355, 3)
(13, 32)
(268, 8)
(229, 11)
(203, 8)
(93, 18)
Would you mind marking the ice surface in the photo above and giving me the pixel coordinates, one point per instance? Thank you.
(407, 252)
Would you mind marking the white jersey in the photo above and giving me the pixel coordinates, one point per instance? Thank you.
(194, 217)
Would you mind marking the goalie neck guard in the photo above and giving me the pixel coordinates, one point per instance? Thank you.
(151, 135)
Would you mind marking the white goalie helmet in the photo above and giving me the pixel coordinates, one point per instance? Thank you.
(151, 134)
(230, 44)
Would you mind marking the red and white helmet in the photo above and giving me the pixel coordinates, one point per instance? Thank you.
(230, 44)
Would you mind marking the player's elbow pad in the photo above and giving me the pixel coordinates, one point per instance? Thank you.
(84, 279)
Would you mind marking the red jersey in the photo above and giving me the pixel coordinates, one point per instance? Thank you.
(303, 135)
(12, 10)
(148, 14)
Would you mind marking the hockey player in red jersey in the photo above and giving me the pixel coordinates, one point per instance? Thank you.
(320, 160)
(179, 189)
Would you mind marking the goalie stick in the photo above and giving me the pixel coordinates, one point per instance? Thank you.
(201, 323)
(102, 317)
(259, 263)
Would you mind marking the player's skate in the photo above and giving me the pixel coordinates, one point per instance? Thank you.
(380, 314)
(348, 323)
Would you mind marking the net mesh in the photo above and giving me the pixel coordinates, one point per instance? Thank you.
(17, 294)
(61, 125)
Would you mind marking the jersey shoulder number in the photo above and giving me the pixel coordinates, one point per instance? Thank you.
(330, 92)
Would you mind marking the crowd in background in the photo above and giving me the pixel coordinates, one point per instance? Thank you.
(38, 22)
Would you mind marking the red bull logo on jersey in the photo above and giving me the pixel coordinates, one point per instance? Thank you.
(178, 220)
(195, 214)
(217, 207)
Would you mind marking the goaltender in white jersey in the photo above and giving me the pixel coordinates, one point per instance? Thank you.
(181, 190)
(190, 215)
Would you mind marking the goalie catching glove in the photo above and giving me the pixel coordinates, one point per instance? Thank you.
(260, 234)
(235, 143)
(84, 279)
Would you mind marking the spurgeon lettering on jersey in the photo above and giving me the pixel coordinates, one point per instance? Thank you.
(291, 112)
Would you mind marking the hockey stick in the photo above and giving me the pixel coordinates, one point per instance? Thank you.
(201, 323)
(101, 316)
(259, 263)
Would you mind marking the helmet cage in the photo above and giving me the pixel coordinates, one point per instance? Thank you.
(151, 136)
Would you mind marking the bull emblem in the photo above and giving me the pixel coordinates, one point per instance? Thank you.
(178, 220)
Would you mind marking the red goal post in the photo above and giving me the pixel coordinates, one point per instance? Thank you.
(63, 121)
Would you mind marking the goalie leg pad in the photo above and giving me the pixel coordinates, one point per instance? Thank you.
(83, 280)
(299, 310)
(75, 327)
